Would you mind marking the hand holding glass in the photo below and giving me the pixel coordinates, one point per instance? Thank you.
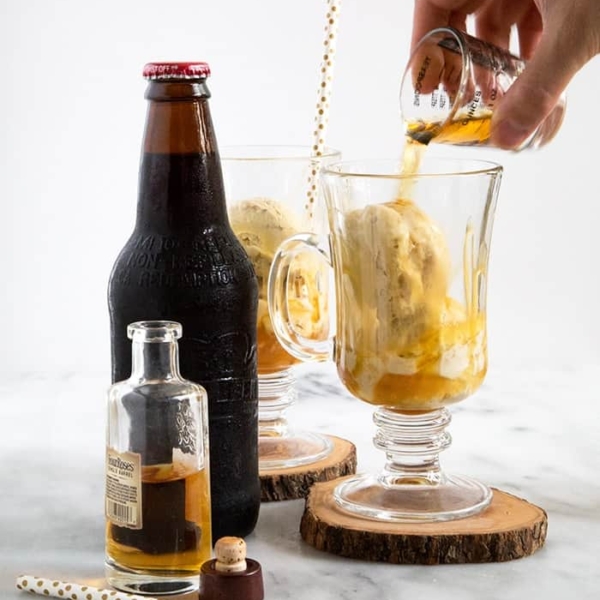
(452, 85)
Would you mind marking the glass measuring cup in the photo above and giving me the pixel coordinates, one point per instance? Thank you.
(452, 85)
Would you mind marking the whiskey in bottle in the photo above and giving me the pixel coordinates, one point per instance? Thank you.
(158, 526)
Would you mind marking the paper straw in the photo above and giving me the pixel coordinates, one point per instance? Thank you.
(71, 591)
(323, 99)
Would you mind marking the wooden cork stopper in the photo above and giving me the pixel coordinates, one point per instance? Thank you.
(230, 555)
(231, 575)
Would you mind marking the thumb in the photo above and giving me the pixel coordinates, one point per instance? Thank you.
(534, 94)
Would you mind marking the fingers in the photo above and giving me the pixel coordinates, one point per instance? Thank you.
(495, 19)
(430, 14)
(530, 31)
(430, 64)
(534, 94)
(557, 42)
(491, 26)
(458, 20)
(427, 16)
(427, 61)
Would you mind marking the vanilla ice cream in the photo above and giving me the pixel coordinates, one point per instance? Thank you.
(262, 224)
(402, 341)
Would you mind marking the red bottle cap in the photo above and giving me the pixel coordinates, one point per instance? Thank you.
(176, 70)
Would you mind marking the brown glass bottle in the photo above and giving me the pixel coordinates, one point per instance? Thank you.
(184, 263)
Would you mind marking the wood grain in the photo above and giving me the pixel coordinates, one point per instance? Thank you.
(508, 529)
(296, 482)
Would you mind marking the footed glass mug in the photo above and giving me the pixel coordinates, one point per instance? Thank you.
(410, 259)
(272, 194)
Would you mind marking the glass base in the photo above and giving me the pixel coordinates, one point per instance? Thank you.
(279, 446)
(156, 583)
(453, 497)
(294, 449)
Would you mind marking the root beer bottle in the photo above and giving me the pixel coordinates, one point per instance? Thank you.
(184, 263)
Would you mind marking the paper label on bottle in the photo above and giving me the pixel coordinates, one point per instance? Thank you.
(124, 489)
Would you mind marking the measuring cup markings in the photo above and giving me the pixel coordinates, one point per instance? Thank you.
(419, 82)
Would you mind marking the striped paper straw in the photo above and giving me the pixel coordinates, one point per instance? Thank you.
(323, 99)
(71, 591)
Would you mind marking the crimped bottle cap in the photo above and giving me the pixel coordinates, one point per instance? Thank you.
(176, 70)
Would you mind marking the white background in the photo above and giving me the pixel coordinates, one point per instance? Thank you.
(71, 118)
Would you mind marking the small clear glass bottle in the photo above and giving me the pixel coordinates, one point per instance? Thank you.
(158, 521)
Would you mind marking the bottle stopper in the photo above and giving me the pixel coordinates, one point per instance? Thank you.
(231, 555)
(230, 574)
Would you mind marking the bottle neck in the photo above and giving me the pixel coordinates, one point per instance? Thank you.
(181, 183)
(154, 361)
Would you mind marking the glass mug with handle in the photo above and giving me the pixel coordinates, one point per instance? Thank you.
(271, 194)
(410, 272)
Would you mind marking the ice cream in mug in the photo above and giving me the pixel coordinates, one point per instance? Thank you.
(402, 341)
(261, 224)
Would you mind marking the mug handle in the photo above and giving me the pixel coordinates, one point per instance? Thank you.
(302, 348)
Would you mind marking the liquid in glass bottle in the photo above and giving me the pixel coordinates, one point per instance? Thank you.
(157, 500)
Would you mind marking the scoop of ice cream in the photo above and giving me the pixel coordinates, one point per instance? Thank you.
(262, 224)
(398, 320)
(398, 266)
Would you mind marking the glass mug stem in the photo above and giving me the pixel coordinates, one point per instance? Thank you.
(412, 443)
(277, 393)
(281, 447)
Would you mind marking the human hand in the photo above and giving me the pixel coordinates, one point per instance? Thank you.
(556, 37)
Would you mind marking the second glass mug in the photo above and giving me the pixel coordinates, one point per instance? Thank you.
(272, 194)
(411, 282)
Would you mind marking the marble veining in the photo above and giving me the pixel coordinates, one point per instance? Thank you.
(533, 432)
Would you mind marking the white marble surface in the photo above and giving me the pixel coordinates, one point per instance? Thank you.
(533, 432)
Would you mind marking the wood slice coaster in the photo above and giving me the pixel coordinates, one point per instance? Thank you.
(295, 482)
(509, 528)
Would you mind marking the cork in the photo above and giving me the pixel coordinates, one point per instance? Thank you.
(231, 555)
(231, 574)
